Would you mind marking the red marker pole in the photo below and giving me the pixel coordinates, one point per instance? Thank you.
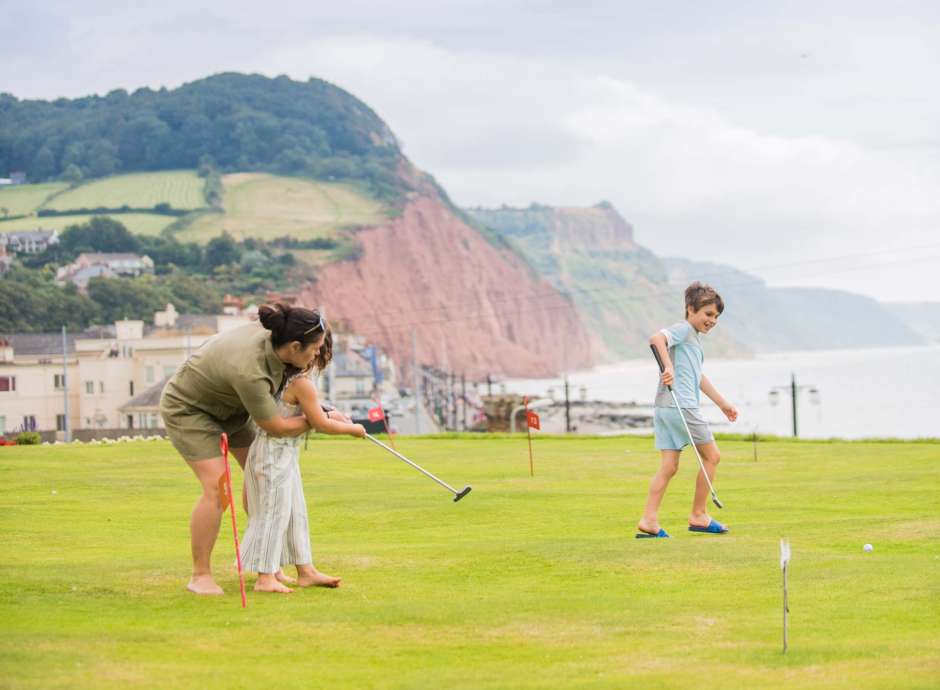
(223, 444)
(528, 430)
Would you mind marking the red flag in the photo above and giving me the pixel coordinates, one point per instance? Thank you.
(532, 419)
(376, 414)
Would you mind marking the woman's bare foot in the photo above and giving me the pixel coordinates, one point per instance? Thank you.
(647, 526)
(204, 585)
(308, 576)
(267, 582)
(284, 578)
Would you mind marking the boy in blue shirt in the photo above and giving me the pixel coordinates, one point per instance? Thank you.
(680, 347)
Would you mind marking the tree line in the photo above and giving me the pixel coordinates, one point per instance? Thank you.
(191, 277)
(228, 121)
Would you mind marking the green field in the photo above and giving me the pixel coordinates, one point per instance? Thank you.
(182, 189)
(19, 200)
(140, 223)
(526, 583)
(267, 206)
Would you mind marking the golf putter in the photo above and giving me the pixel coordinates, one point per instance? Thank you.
(457, 494)
(662, 368)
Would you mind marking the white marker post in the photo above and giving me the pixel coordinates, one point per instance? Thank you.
(784, 563)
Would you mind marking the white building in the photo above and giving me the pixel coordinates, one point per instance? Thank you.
(116, 373)
(103, 265)
(29, 241)
(105, 371)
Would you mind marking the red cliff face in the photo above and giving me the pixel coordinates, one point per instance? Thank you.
(473, 308)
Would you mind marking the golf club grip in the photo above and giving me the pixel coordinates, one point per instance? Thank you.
(659, 361)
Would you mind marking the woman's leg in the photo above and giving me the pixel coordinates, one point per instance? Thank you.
(204, 524)
(710, 458)
(667, 469)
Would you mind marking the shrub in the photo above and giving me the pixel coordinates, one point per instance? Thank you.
(28, 438)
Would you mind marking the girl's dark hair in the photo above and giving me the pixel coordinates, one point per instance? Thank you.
(698, 295)
(290, 324)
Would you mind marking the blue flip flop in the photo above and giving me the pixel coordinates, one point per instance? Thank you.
(646, 535)
(714, 527)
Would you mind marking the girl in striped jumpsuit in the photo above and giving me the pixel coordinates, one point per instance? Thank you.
(278, 532)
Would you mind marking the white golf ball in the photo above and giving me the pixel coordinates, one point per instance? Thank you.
(868, 547)
(54, 492)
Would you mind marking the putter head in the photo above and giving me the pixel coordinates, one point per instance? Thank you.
(716, 501)
(463, 492)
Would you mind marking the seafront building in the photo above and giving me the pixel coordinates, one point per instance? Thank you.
(114, 375)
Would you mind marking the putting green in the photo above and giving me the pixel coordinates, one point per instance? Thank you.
(526, 583)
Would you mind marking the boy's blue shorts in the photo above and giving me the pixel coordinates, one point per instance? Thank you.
(670, 432)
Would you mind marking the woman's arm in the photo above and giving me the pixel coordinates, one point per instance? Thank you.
(306, 394)
(284, 426)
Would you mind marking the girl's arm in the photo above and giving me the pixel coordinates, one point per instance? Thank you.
(708, 389)
(659, 342)
(306, 394)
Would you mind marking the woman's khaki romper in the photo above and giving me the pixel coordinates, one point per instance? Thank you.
(232, 379)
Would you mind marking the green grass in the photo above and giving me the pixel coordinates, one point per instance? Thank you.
(526, 583)
(269, 206)
(140, 223)
(23, 199)
(182, 189)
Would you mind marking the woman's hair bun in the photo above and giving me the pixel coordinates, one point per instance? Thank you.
(273, 317)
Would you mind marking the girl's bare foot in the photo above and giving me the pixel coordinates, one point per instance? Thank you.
(308, 576)
(267, 582)
(204, 585)
(284, 578)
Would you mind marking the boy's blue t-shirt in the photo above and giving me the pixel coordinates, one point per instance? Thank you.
(685, 351)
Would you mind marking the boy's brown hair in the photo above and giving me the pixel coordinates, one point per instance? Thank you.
(698, 295)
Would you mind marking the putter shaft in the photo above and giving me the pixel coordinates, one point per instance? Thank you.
(692, 442)
(416, 466)
(662, 368)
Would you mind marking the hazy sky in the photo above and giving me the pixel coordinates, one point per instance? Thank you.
(799, 141)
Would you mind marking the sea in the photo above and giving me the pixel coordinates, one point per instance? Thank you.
(852, 394)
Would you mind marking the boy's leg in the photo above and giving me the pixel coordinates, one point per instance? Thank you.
(667, 469)
(710, 458)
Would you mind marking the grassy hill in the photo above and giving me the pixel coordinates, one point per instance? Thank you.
(20, 200)
(181, 189)
(255, 205)
(526, 583)
(138, 223)
(268, 206)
